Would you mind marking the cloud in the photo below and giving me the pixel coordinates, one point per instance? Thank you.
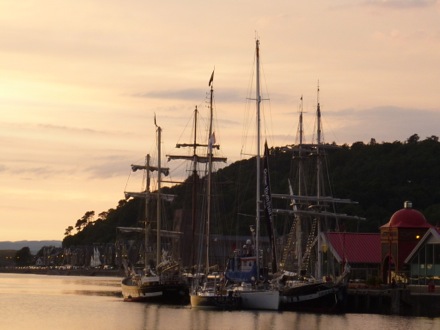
(384, 123)
(109, 166)
(401, 4)
(191, 94)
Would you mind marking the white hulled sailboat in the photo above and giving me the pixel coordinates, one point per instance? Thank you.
(254, 291)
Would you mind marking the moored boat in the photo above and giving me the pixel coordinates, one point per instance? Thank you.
(244, 269)
(160, 280)
(213, 294)
(210, 291)
(304, 283)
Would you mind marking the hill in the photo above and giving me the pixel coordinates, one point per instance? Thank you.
(379, 176)
(34, 246)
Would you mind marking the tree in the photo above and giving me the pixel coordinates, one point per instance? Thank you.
(432, 138)
(84, 221)
(23, 257)
(68, 231)
(413, 139)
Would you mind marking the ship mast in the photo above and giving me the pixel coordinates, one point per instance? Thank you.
(147, 195)
(195, 158)
(211, 141)
(318, 183)
(258, 193)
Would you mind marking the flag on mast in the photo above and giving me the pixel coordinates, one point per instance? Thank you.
(212, 78)
(211, 141)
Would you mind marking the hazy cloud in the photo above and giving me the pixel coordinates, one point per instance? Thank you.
(385, 123)
(401, 4)
(191, 94)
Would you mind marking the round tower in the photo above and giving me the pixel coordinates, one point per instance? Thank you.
(398, 238)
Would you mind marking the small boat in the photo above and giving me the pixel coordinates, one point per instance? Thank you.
(142, 286)
(161, 281)
(214, 294)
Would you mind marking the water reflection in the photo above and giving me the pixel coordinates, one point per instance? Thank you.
(54, 302)
(94, 293)
(60, 285)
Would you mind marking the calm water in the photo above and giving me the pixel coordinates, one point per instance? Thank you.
(69, 302)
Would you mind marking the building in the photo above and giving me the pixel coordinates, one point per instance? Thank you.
(398, 238)
(360, 250)
(424, 260)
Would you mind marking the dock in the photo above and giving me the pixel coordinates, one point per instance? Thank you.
(409, 301)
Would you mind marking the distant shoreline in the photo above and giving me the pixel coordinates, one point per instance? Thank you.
(64, 272)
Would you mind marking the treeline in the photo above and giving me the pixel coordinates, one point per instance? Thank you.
(379, 176)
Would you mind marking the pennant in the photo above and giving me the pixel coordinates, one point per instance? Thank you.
(212, 78)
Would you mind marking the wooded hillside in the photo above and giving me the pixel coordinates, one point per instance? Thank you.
(380, 176)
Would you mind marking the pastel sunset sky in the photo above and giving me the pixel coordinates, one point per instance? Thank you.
(80, 82)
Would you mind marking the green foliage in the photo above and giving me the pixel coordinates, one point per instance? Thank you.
(23, 257)
(380, 176)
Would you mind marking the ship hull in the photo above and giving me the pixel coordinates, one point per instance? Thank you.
(260, 299)
(316, 298)
(213, 301)
(156, 293)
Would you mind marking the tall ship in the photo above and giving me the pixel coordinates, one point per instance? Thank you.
(208, 288)
(306, 281)
(158, 278)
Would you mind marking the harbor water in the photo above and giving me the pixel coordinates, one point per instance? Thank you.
(79, 302)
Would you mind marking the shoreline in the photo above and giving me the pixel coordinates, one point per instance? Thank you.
(64, 272)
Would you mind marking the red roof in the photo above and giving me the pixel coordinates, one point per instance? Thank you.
(355, 247)
(408, 218)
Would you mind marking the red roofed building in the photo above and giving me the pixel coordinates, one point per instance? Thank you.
(398, 238)
(360, 250)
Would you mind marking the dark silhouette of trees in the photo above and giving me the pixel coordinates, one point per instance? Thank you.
(23, 257)
(380, 176)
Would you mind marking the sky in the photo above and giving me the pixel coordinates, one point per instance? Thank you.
(81, 82)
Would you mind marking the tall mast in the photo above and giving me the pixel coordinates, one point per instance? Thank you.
(195, 159)
(318, 146)
(199, 159)
(159, 201)
(318, 182)
(194, 189)
(147, 195)
(210, 145)
(147, 223)
(257, 204)
(300, 183)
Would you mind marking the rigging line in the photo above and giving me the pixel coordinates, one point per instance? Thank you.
(271, 129)
(128, 179)
(249, 116)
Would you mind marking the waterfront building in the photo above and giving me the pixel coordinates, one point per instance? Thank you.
(399, 237)
(361, 251)
(424, 260)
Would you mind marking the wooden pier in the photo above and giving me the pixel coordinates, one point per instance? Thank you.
(411, 301)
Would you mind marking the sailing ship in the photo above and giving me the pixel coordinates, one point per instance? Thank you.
(160, 281)
(302, 284)
(208, 287)
(244, 269)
